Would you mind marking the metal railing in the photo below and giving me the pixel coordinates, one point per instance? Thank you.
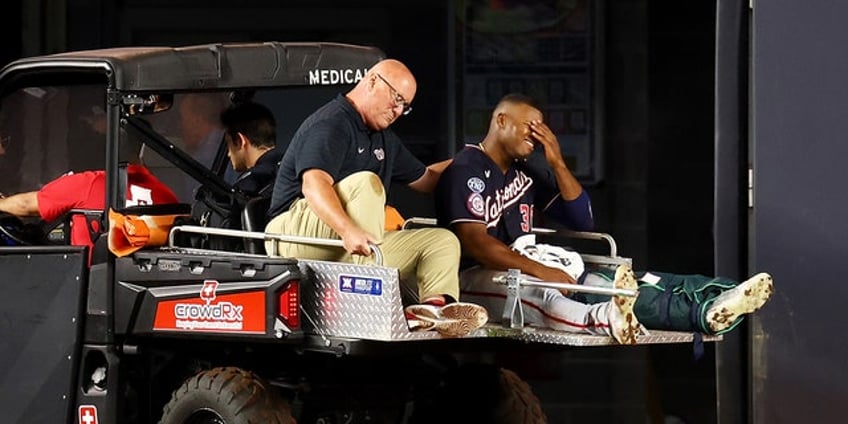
(196, 229)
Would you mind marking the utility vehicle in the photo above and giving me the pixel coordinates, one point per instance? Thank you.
(184, 333)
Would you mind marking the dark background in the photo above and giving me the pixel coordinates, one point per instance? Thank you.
(655, 196)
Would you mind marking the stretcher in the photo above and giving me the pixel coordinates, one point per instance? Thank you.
(346, 302)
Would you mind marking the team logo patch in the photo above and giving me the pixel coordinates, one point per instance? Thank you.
(476, 185)
(476, 204)
(379, 154)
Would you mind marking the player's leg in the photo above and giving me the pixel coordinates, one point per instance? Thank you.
(683, 302)
(477, 286)
(666, 301)
(727, 309)
(689, 302)
(549, 308)
(624, 323)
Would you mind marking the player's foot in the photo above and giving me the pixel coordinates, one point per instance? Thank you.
(740, 300)
(623, 323)
(452, 320)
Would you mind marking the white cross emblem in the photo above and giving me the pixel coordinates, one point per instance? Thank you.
(88, 414)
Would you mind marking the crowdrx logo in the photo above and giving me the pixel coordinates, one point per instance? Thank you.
(220, 316)
(239, 312)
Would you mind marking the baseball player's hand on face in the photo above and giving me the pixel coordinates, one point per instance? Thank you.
(541, 133)
(356, 241)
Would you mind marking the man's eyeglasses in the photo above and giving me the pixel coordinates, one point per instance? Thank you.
(397, 98)
(4, 141)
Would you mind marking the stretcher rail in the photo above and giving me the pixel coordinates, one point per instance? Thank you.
(196, 229)
(513, 313)
(611, 259)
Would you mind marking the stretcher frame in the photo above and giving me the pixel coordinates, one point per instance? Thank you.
(332, 314)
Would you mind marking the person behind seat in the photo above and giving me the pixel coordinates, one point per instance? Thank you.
(332, 183)
(86, 190)
(488, 196)
(251, 134)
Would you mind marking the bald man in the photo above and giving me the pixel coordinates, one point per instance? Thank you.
(332, 183)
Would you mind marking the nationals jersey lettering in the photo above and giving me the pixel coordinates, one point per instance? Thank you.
(474, 189)
(505, 197)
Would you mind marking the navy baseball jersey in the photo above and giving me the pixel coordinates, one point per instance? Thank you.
(473, 189)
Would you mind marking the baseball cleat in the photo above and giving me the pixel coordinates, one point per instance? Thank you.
(421, 317)
(474, 314)
(452, 320)
(740, 300)
(623, 323)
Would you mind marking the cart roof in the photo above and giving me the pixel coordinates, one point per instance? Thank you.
(212, 66)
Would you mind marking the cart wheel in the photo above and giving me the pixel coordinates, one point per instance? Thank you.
(226, 395)
(484, 393)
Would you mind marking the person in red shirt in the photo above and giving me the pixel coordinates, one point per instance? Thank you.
(85, 190)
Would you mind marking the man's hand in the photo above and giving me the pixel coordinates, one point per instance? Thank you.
(493, 253)
(543, 134)
(355, 241)
(568, 185)
(427, 182)
(553, 275)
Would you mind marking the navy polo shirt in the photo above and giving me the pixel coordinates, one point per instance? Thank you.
(255, 181)
(335, 139)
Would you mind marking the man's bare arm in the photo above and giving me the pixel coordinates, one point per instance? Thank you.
(493, 253)
(22, 204)
(323, 200)
(427, 182)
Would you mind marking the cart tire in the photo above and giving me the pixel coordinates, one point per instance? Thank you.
(490, 394)
(226, 395)
(519, 404)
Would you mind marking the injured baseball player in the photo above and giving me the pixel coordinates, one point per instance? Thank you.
(488, 196)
